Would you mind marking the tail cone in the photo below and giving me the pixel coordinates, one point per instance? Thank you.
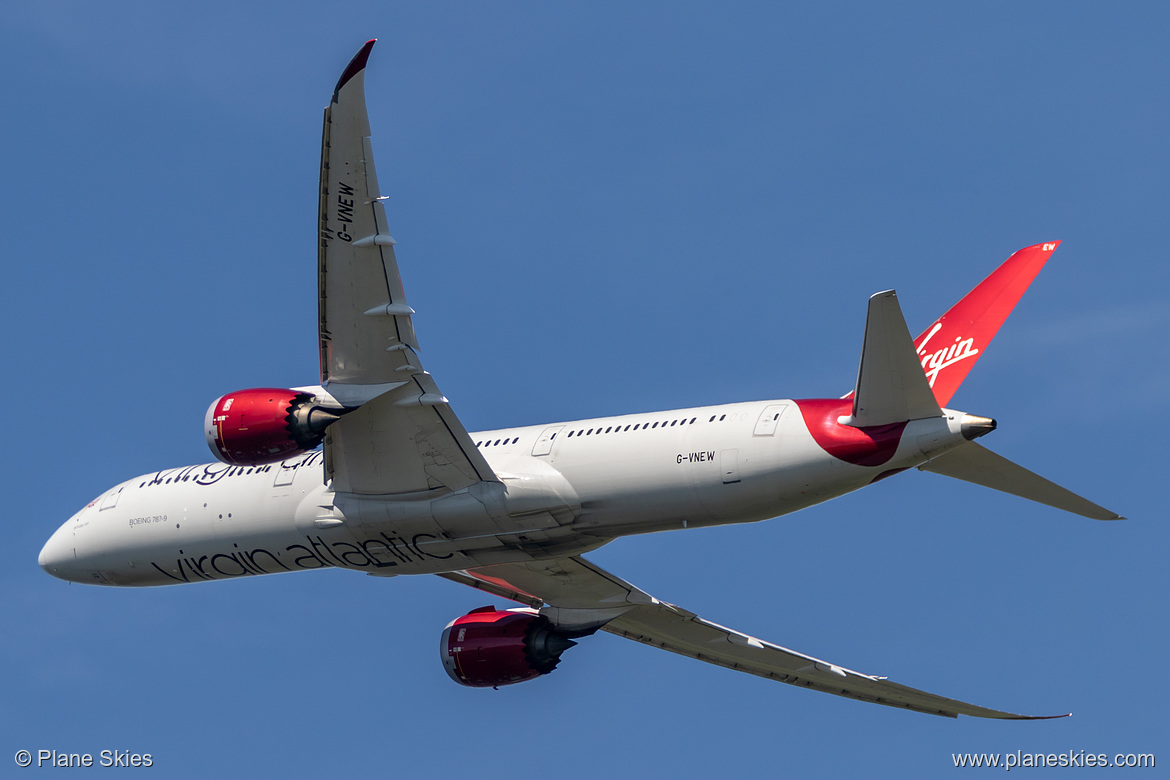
(973, 427)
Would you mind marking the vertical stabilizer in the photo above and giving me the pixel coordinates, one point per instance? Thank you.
(949, 347)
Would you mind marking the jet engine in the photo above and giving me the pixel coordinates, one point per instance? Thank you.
(487, 647)
(265, 425)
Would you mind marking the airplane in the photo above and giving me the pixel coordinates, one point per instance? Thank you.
(371, 470)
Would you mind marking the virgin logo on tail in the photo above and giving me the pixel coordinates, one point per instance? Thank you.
(936, 361)
(977, 317)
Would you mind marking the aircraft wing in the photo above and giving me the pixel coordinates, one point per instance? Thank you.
(575, 594)
(405, 437)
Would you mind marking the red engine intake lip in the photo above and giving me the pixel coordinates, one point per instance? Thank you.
(251, 427)
(487, 648)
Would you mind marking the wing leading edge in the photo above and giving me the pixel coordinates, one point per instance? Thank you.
(405, 437)
(575, 594)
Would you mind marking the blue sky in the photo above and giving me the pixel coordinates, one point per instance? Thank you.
(599, 209)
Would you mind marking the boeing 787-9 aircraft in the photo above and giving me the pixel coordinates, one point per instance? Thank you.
(371, 470)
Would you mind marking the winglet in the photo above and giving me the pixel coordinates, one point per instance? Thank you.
(949, 347)
(355, 66)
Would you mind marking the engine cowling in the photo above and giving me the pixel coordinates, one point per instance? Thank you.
(487, 647)
(264, 425)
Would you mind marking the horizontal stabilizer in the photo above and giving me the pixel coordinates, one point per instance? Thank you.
(891, 385)
(974, 463)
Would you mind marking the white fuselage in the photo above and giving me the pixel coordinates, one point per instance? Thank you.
(565, 488)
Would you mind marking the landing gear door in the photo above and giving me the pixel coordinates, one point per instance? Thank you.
(769, 419)
(544, 444)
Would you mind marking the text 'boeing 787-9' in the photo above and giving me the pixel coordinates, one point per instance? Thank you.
(398, 486)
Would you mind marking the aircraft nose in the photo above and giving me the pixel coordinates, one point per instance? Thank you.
(58, 557)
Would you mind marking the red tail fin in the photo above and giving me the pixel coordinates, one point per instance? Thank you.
(949, 348)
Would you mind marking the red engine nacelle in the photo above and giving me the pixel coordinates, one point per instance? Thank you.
(487, 648)
(264, 425)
